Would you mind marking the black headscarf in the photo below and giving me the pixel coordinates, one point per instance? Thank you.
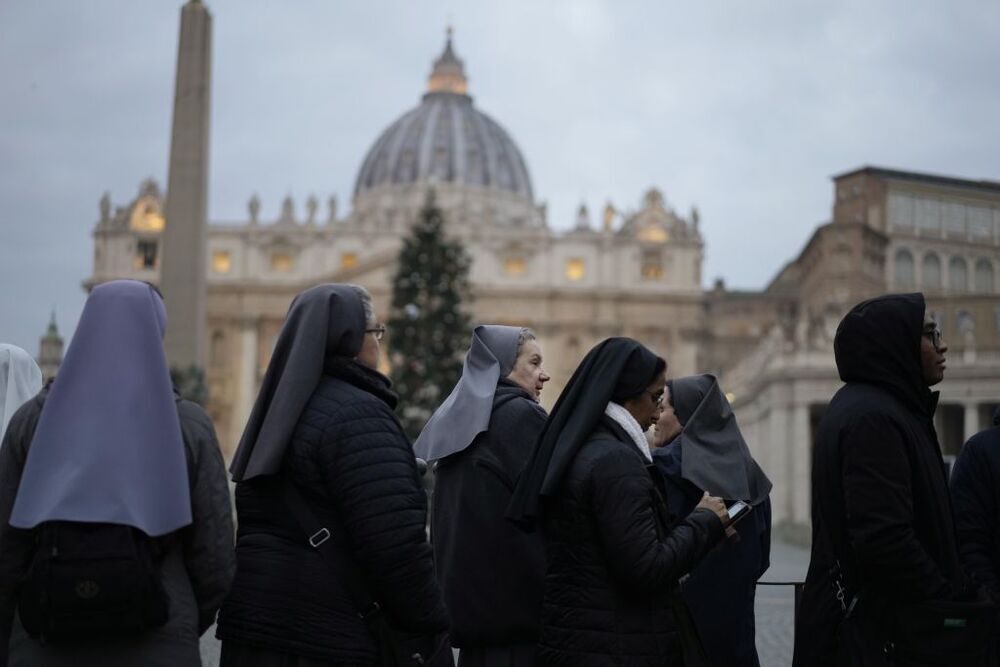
(714, 455)
(878, 342)
(617, 369)
(323, 323)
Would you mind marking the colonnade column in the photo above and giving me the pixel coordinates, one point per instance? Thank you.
(247, 375)
(800, 450)
(971, 420)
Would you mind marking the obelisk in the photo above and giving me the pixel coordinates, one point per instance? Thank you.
(184, 257)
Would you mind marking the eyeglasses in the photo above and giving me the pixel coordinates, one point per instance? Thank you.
(934, 335)
(378, 331)
(657, 397)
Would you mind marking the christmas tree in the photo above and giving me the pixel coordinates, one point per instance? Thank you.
(428, 328)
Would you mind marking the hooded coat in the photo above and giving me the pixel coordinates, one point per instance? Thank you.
(975, 489)
(614, 554)
(880, 502)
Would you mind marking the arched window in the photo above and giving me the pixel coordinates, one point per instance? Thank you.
(984, 276)
(958, 274)
(931, 277)
(904, 267)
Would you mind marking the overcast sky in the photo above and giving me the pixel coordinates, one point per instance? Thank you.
(744, 109)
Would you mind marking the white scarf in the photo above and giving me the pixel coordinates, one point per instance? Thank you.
(624, 418)
(20, 380)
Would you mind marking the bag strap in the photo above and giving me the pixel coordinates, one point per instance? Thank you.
(341, 562)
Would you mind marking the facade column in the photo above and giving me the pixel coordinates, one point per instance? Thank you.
(971, 420)
(246, 391)
(781, 474)
(800, 451)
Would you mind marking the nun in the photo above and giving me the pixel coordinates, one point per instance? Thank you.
(481, 438)
(323, 446)
(699, 449)
(20, 380)
(109, 442)
(613, 555)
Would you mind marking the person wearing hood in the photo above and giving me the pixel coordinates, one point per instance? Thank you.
(109, 441)
(323, 430)
(975, 491)
(613, 554)
(698, 449)
(481, 438)
(20, 380)
(883, 538)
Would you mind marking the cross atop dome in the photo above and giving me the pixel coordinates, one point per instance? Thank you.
(448, 75)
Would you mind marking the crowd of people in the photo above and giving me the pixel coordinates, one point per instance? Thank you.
(628, 526)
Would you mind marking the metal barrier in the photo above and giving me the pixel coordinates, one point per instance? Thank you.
(798, 586)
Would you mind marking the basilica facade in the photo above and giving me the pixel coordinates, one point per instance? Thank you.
(634, 272)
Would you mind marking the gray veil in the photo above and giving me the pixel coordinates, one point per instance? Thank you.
(108, 445)
(715, 457)
(466, 412)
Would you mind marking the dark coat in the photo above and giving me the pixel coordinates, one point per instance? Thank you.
(491, 572)
(614, 560)
(720, 590)
(196, 569)
(975, 490)
(880, 502)
(350, 460)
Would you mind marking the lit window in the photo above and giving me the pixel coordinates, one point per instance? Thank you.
(281, 261)
(145, 255)
(654, 235)
(515, 266)
(575, 269)
(652, 265)
(348, 260)
(222, 261)
(146, 216)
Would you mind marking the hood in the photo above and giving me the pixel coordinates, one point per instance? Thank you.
(878, 342)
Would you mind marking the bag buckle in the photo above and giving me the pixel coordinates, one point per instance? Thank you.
(319, 537)
(371, 611)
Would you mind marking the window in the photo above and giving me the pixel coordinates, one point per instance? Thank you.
(218, 349)
(904, 267)
(984, 276)
(281, 261)
(931, 271)
(222, 261)
(145, 255)
(575, 269)
(652, 265)
(654, 235)
(348, 260)
(515, 266)
(958, 274)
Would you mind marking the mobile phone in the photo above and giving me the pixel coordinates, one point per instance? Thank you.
(738, 510)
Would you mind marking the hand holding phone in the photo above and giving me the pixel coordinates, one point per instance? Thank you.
(737, 511)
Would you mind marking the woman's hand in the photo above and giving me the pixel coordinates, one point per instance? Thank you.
(716, 505)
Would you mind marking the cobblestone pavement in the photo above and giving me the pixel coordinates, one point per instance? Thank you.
(774, 610)
(776, 604)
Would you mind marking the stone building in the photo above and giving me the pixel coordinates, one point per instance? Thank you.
(891, 231)
(50, 350)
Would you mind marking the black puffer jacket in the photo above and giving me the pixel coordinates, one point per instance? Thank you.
(491, 572)
(975, 488)
(614, 560)
(348, 455)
